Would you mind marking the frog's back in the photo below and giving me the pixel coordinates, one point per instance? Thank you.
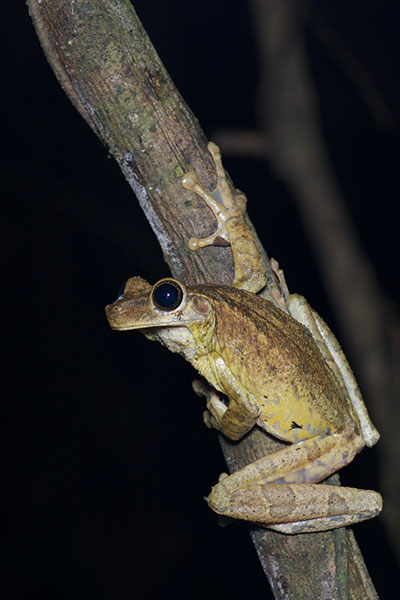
(277, 361)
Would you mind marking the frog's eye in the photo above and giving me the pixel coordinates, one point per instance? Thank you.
(167, 294)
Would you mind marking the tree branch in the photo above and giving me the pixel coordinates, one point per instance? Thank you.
(109, 69)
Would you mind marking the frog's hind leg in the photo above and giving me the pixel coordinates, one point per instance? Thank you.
(337, 361)
(280, 490)
(301, 508)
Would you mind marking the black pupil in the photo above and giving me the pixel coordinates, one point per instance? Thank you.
(167, 296)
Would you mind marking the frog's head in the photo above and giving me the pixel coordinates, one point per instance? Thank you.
(165, 311)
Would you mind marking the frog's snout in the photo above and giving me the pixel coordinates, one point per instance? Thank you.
(113, 314)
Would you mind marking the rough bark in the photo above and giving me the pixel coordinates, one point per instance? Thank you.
(107, 66)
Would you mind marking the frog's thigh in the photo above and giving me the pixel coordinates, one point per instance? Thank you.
(336, 359)
(300, 508)
(308, 461)
(300, 310)
(370, 433)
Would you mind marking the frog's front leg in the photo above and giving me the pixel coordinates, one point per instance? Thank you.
(233, 420)
(229, 208)
(279, 491)
(216, 409)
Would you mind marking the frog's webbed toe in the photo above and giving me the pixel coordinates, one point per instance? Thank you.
(228, 206)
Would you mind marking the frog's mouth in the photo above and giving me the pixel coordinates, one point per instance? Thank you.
(118, 317)
(125, 315)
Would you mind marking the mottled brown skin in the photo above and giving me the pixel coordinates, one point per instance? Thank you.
(280, 367)
(276, 360)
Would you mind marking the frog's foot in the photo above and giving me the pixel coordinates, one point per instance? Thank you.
(225, 203)
(216, 409)
(229, 208)
(220, 236)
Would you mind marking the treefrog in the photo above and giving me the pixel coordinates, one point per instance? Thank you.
(279, 366)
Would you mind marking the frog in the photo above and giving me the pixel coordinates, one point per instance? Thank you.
(267, 361)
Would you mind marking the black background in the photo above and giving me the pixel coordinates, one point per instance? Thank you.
(106, 459)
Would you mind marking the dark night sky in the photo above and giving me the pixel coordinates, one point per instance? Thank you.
(104, 494)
